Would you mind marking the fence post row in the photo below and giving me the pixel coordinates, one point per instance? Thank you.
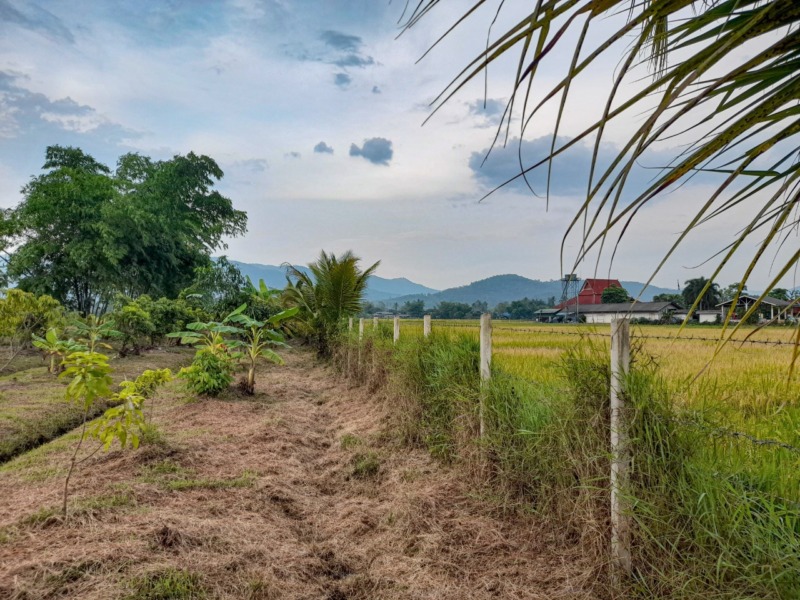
(620, 364)
(426, 325)
(396, 329)
(485, 364)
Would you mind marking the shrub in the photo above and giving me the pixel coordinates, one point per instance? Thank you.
(134, 325)
(210, 373)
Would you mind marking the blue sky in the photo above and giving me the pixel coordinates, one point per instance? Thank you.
(314, 110)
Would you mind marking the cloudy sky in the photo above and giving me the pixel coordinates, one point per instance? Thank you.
(314, 109)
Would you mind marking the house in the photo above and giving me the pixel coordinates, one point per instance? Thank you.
(591, 293)
(773, 308)
(708, 316)
(604, 313)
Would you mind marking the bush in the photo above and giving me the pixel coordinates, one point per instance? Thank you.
(134, 325)
(210, 373)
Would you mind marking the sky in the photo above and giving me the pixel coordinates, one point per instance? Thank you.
(318, 113)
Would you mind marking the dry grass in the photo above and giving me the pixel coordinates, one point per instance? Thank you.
(277, 510)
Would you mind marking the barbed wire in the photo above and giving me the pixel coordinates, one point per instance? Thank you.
(633, 335)
(717, 431)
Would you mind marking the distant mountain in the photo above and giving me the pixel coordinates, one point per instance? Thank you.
(506, 288)
(378, 288)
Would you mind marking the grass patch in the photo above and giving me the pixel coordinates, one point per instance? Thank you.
(246, 479)
(349, 441)
(365, 465)
(168, 584)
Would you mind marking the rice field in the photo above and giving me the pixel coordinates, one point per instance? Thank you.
(735, 383)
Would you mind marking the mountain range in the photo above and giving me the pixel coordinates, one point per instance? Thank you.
(493, 290)
(379, 289)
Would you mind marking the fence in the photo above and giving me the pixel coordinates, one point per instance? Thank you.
(620, 336)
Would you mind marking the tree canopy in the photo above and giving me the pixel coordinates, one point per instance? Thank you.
(614, 294)
(706, 293)
(83, 233)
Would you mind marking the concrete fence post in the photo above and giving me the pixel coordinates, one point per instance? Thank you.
(620, 459)
(360, 346)
(375, 322)
(396, 329)
(426, 325)
(485, 365)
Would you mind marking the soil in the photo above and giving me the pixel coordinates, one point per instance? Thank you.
(299, 492)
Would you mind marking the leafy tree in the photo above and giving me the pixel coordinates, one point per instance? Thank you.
(23, 315)
(702, 291)
(134, 325)
(219, 287)
(731, 291)
(451, 310)
(676, 299)
(723, 79)
(332, 292)
(90, 380)
(520, 309)
(615, 294)
(780, 294)
(414, 309)
(85, 233)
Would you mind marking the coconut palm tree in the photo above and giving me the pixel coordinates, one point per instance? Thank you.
(724, 85)
(701, 294)
(331, 291)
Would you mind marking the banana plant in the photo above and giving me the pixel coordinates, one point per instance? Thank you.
(55, 348)
(211, 334)
(257, 338)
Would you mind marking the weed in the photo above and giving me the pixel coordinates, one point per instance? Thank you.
(168, 584)
(349, 441)
(365, 465)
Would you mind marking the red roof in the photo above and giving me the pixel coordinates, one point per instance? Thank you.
(591, 292)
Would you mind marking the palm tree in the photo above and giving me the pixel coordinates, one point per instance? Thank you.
(701, 294)
(332, 291)
(724, 79)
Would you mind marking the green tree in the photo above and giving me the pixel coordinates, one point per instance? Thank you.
(414, 309)
(731, 291)
(676, 299)
(722, 79)
(83, 234)
(780, 294)
(451, 310)
(219, 287)
(329, 293)
(615, 294)
(702, 291)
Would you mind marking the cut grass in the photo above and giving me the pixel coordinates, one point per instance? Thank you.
(170, 475)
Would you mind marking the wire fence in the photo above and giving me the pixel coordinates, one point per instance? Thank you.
(634, 334)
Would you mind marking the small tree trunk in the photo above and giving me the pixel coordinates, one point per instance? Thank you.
(73, 461)
(53, 363)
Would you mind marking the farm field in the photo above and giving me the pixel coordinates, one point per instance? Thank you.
(32, 405)
(300, 491)
(745, 384)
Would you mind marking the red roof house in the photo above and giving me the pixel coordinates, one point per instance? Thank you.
(591, 292)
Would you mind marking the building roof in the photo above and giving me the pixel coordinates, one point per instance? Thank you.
(767, 300)
(591, 292)
(627, 307)
(546, 311)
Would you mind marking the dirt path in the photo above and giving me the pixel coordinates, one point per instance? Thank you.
(301, 492)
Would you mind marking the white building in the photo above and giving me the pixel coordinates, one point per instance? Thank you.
(604, 313)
